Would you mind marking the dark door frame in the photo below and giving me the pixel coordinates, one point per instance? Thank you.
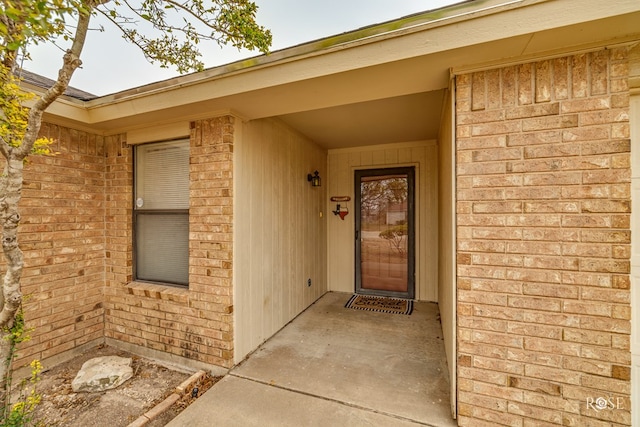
(411, 232)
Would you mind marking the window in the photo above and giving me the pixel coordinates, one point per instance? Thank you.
(161, 212)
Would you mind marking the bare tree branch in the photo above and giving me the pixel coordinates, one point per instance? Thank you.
(71, 61)
(27, 22)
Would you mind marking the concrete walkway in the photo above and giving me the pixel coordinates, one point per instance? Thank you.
(336, 366)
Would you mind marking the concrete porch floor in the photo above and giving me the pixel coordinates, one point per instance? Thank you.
(336, 366)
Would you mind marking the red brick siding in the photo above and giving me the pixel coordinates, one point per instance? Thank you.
(543, 204)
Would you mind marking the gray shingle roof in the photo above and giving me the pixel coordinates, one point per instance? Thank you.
(45, 83)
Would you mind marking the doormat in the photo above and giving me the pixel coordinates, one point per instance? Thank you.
(380, 304)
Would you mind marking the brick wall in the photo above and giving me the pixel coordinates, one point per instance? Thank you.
(62, 236)
(76, 234)
(543, 178)
(197, 323)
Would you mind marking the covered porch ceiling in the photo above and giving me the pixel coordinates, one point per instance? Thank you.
(411, 117)
(367, 89)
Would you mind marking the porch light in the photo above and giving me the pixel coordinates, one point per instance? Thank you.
(314, 179)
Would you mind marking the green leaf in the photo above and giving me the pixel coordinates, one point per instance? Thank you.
(13, 46)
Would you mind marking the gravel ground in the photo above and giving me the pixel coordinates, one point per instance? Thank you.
(150, 385)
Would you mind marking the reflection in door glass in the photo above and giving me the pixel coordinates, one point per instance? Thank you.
(384, 240)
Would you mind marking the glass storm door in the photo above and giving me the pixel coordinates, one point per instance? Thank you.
(385, 239)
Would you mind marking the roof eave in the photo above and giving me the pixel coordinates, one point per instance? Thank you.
(488, 23)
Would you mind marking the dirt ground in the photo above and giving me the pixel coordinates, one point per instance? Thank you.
(150, 385)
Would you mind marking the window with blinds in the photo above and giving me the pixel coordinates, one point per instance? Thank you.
(161, 212)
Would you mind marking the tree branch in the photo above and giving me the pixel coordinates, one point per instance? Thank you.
(198, 17)
(160, 23)
(71, 61)
(118, 26)
(9, 58)
(12, 182)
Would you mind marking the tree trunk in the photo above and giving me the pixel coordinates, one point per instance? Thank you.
(10, 194)
(5, 392)
(11, 294)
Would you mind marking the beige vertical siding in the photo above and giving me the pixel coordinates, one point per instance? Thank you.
(279, 230)
(342, 163)
(446, 242)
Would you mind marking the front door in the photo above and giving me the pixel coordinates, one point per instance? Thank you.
(385, 239)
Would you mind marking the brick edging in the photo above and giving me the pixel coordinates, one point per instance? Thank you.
(179, 391)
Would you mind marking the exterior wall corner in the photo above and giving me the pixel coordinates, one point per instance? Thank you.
(544, 241)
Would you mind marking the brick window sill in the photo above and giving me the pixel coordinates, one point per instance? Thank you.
(162, 292)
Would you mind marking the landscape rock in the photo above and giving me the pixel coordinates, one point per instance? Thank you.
(102, 373)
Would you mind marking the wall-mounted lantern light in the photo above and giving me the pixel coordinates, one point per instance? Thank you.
(314, 179)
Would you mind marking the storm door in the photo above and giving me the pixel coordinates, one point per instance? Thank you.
(385, 232)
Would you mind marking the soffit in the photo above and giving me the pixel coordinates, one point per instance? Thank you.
(352, 125)
(337, 97)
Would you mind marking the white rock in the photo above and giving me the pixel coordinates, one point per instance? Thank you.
(102, 373)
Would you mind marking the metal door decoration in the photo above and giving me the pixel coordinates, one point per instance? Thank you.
(342, 209)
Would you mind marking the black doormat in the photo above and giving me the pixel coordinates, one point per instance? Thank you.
(380, 304)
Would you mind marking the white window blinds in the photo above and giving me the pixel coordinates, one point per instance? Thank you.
(162, 176)
(163, 248)
(162, 212)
